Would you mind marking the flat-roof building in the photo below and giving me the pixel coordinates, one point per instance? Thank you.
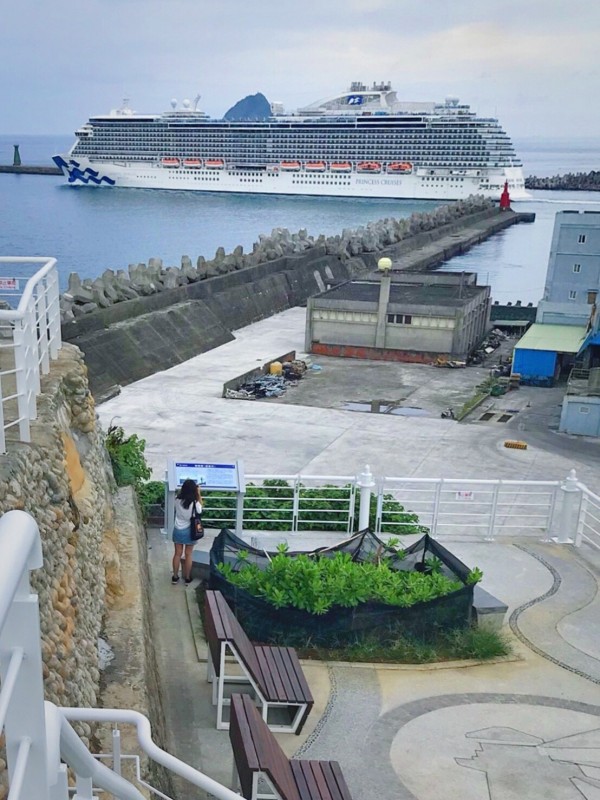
(400, 317)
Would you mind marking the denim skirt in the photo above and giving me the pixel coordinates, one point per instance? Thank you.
(182, 536)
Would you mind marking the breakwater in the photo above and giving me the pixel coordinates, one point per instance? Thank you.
(133, 323)
(21, 170)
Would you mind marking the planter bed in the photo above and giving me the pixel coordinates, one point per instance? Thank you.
(340, 625)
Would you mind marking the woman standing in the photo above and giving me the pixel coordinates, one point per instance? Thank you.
(182, 537)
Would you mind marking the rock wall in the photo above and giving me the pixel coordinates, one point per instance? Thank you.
(141, 280)
(62, 479)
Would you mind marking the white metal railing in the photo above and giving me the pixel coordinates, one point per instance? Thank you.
(450, 508)
(21, 693)
(29, 337)
(294, 503)
(40, 742)
(588, 522)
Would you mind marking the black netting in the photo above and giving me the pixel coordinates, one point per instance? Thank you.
(340, 625)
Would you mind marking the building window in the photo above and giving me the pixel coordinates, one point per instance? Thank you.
(581, 238)
(576, 267)
(592, 297)
(572, 294)
(399, 319)
(584, 410)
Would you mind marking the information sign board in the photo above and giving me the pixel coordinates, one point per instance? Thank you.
(9, 284)
(207, 475)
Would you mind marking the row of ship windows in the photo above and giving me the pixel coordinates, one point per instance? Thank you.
(270, 136)
(299, 132)
(325, 182)
(415, 156)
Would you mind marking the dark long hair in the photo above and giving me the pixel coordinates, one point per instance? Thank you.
(188, 492)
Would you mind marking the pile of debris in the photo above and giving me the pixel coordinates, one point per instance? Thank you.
(492, 341)
(269, 385)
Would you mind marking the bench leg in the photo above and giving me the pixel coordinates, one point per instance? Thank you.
(219, 685)
(300, 711)
(210, 670)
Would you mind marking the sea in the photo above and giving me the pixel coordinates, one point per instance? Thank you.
(89, 230)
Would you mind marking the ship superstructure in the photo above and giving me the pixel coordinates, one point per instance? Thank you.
(361, 143)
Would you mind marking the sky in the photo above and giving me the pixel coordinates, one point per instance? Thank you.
(535, 65)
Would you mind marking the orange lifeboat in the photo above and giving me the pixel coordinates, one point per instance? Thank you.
(341, 166)
(399, 166)
(290, 166)
(315, 166)
(192, 163)
(368, 166)
(214, 163)
(170, 162)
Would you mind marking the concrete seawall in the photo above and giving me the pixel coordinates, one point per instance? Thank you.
(31, 170)
(136, 338)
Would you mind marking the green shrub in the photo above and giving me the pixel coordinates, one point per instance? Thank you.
(127, 457)
(151, 493)
(317, 584)
(460, 644)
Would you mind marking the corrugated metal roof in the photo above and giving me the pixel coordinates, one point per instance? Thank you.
(556, 338)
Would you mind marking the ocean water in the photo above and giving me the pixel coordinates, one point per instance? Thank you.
(89, 230)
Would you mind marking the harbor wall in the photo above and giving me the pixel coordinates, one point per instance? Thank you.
(130, 339)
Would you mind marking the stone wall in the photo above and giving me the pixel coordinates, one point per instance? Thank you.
(143, 280)
(63, 480)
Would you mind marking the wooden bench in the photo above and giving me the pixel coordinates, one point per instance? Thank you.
(274, 673)
(260, 761)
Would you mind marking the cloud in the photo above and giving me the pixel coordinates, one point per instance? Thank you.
(72, 59)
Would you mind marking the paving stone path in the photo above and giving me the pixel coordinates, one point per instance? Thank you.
(549, 749)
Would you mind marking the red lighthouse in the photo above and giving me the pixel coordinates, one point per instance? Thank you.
(505, 198)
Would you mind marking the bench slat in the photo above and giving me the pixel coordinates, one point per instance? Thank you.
(267, 675)
(340, 780)
(235, 634)
(316, 768)
(306, 694)
(289, 687)
(293, 669)
(271, 758)
(309, 785)
(331, 777)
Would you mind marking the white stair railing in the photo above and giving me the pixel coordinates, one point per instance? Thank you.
(40, 742)
(30, 337)
(22, 717)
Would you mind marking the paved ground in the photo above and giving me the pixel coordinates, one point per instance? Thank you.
(526, 728)
(181, 414)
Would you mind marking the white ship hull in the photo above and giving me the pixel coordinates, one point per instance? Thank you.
(422, 184)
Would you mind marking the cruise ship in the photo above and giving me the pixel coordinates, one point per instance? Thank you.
(361, 143)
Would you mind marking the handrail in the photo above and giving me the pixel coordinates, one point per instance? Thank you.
(21, 310)
(76, 755)
(144, 734)
(15, 561)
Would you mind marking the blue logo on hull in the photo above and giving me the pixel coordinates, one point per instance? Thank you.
(85, 176)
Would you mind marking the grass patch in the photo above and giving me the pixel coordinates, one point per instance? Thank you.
(457, 645)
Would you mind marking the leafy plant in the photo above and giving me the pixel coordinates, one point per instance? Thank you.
(474, 576)
(151, 493)
(318, 584)
(127, 457)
